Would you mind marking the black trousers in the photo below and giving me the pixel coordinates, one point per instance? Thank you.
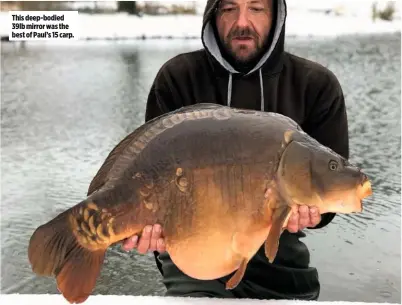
(261, 281)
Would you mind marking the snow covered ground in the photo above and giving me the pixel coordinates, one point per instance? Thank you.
(305, 18)
(24, 299)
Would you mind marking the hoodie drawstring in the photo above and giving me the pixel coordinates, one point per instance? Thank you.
(230, 89)
(262, 91)
(229, 98)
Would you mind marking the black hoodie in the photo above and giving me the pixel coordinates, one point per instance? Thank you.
(280, 82)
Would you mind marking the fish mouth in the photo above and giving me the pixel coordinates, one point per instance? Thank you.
(364, 190)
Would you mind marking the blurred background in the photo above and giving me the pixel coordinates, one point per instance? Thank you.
(66, 104)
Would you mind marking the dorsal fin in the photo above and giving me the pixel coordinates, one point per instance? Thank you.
(128, 149)
(101, 176)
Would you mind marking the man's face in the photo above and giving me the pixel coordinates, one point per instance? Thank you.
(243, 26)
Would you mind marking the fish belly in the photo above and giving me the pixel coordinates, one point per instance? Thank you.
(219, 250)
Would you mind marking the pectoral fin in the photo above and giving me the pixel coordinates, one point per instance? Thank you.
(244, 251)
(238, 275)
(279, 217)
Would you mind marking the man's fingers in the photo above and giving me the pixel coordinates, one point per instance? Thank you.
(156, 234)
(130, 243)
(145, 240)
(315, 217)
(304, 217)
(293, 223)
(160, 245)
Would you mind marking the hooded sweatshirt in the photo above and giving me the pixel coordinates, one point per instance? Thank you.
(279, 82)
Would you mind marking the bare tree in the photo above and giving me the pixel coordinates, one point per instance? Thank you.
(127, 6)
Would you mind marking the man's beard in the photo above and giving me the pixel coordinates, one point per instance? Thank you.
(242, 33)
(242, 64)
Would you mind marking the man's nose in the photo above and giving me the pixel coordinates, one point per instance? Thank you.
(242, 18)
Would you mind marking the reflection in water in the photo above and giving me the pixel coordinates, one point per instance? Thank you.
(65, 107)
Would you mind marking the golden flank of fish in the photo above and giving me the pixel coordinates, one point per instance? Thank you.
(221, 181)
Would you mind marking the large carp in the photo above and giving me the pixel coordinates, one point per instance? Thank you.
(221, 182)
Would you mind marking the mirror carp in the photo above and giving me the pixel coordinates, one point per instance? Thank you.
(221, 182)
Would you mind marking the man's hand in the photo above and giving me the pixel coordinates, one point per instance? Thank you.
(303, 217)
(151, 240)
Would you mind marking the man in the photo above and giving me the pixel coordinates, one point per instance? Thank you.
(243, 64)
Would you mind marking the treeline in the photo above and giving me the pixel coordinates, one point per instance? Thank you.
(385, 13)
(98, 7)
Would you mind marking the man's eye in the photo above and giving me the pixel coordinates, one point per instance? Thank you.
(227, 9)
(256, 9)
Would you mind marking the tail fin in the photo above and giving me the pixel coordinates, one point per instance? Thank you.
(54, 251)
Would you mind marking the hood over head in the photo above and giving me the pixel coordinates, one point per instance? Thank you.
(271, 57)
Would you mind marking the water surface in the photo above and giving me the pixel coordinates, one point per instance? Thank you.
(65, 107)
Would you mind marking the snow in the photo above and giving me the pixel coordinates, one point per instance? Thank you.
(23, 299)
(305, 18)
(305, 23)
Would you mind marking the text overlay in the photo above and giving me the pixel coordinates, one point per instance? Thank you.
(43, 25)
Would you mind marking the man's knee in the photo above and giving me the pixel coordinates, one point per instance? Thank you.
(196, 294)
(179, 284)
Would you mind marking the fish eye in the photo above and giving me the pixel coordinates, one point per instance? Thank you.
(333, 165)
